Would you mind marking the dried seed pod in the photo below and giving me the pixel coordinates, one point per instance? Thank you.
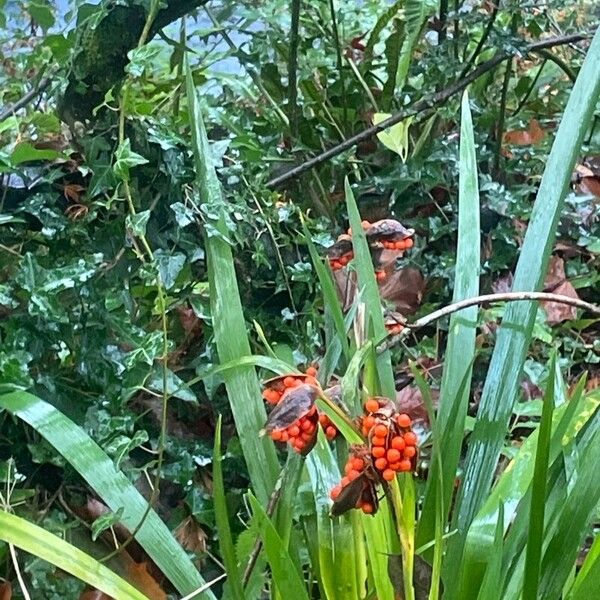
(388, 230)
(295, 403)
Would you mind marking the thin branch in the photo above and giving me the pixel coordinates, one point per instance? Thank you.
(525, 97)
(420, 106)
(502, 116)
(482, 41)
(26, 99)
(485, 299)
(545, 53)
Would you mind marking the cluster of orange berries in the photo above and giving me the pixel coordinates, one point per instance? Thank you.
(405, 244)
(391, 440)
(356, 475)
(391, 449)
(301, 433)
(339, 263)
(276, 387)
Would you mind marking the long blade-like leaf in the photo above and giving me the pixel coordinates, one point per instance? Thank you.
(285, 575)
(90, 461)
(51, 548)
(501, 387)
(242, 384)
(460, 350)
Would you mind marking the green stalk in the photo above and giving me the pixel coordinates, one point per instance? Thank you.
(404, 512)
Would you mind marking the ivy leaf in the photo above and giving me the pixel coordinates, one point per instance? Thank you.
(137, 223)
(105, 521)
(126, 159)
(183, 215)
(25, 152)
(169, 266)
(141, 58)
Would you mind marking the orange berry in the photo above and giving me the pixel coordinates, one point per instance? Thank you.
(393, 455)
(299, 445)
(399, 245)
(305, 425)
(378, 451)
(289, 381)
(381, 464)
(395, 466)
(389, 474)
(403, 421)
(335, 492)
(381, 430)
(352, 475)
(312, 371)
(378, 441)
(398, 443)
(306, 436)
(293, 431)
(380, 275)
(284, 436)
(405, 466)
(345, 481)
(324, 419)
(372, 405)
(367, 508)
(409, 243)
(410, 438)
(410, 452)
(310, 379)
(369, 421)
(358, 464)
(276, 435)
(348, 467)
(331, 432)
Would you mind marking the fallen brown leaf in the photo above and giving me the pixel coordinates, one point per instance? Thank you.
(5, 590)
(556, 282)
(139, 576)
(534, 134)
(191, 536)
(403, 289)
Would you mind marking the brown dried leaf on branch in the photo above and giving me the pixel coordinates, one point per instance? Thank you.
(5, 590)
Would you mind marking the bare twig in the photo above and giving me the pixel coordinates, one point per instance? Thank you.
(26, 99)
(485, 299)
(482, 41)
(421, 106)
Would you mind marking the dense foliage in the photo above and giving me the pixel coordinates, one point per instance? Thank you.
(113, 313)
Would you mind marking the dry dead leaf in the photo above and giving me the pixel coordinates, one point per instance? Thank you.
(5, 590)
(138, 574)
(556, 282)
(191, 536)
(531, 136)
(73, 191)
(403, 289)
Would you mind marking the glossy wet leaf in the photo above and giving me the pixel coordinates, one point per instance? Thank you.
(51, 548)
(90, 461)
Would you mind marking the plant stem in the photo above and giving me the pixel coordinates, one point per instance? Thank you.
(340, 64)
(502, 117)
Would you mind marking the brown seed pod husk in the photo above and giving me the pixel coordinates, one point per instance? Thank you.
(294, 403)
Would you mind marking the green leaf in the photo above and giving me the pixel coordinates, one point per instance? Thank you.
(234, 581)
(242, 385)
(137, 223)
(25, 152)
(460, 349)
(106, 521)
(586, 582)
(99, 471)
(366, 282)
(41, 12)
(538, 494)
(288, 581)
(395, 138)
(501, 387)
(49, 547)
(142, 58)
(125, 159)
(169, 266)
